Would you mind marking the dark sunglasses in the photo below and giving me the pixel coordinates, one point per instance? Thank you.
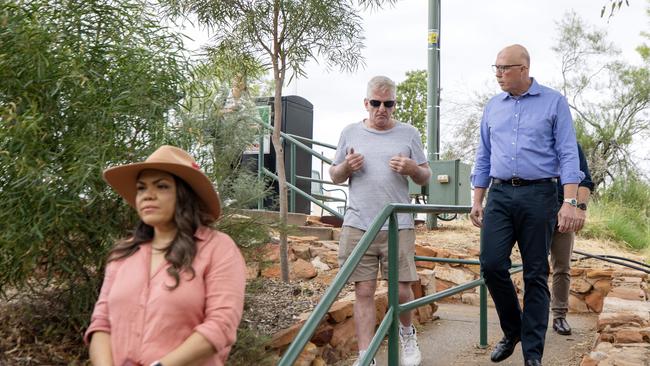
(377, 103)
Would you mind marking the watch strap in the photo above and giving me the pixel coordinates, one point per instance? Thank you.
(572, 201)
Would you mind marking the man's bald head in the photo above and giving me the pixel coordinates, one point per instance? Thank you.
(512, 65)
(516, 52)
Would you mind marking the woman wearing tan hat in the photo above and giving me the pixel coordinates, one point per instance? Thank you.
(173, 292)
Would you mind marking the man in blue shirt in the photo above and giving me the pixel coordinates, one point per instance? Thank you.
(527, 142)
(561, 249)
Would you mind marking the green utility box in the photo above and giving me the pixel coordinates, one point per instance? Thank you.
(450, 183)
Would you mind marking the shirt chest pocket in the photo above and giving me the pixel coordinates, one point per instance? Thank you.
(536, 128)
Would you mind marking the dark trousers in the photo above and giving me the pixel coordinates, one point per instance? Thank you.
(526, 215)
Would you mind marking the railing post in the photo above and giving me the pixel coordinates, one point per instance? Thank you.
(483, 318)
(260, 166)
(292, 178)
(393, 292)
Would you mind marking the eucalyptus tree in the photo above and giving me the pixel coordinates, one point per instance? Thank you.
(283, 35)
(609, 97)
(85, 84)
(412, 101)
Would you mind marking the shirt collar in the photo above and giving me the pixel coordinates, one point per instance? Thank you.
(534, 89)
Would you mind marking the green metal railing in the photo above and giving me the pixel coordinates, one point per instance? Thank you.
(297, 142)
(390, 323)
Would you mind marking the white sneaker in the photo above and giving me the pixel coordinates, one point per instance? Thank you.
(356, 363)
(410, 352)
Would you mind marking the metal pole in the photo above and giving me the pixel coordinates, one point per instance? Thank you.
(260, 166)
(292, 179)
(483, 318)
(393, 293)
(433, 96)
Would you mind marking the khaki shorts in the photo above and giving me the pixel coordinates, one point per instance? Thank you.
(378, 253)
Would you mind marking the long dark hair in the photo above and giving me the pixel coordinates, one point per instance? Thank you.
(189, 215)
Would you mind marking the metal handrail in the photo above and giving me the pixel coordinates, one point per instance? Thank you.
(291, 182)
(388, 213)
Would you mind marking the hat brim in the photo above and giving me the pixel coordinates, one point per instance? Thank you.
(123, 179)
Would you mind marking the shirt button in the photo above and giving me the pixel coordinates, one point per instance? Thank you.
(516, 115)
(513, 158)
(513, 143)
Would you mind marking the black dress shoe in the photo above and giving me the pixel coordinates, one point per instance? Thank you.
(533, 363)
(561, 326)
(503, 349)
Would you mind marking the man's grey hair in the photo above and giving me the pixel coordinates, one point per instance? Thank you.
(381, 83)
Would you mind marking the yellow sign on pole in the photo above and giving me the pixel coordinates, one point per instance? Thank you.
(433, 36)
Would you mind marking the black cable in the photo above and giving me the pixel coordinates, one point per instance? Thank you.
(606, 259)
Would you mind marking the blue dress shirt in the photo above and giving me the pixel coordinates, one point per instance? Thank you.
(528, 137)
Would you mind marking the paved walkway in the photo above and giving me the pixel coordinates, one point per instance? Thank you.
(452, 340)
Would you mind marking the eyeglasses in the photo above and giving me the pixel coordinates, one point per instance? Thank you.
(503, 68)
(387, 103)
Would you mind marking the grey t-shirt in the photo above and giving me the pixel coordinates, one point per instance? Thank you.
(375, 185)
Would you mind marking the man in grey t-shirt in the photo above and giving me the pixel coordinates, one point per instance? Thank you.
(377, 155)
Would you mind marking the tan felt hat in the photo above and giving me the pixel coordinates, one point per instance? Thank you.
(168, 159)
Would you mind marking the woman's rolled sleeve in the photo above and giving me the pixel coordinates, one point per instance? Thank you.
(225, 283)
(99, 320)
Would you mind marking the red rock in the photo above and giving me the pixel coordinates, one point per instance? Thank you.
(576, 271)
(602, 272)
(285, 336)
(303, 269)
(342, 332)
(603, 286)
(628, 336)
(577, 304)
(588, 361)
(425, 251)
(307, 355)
(323, 335)
(594, 301)
(271, 252)
(273, 271)
(341, 310)
(580, 286)
(628, 293)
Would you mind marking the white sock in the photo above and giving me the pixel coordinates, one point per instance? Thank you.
(406, 330)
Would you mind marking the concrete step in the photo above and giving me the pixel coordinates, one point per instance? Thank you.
(297, 219)
(322, 233)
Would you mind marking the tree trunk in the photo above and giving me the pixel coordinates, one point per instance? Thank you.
(281, 171)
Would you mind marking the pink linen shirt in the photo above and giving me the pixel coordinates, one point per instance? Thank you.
(146, 320)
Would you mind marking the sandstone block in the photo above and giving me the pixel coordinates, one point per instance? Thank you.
(603, 286)
(628, 336)
(577, 304)
(341, 310)
(303, 269)
(285, 336)
(580, 286)
(594, 301)
(614, 304)
(301, 250)
(628, 293)
(342, 332)
(307, 355)
(602, 272)
(454, 275)
(273, 271)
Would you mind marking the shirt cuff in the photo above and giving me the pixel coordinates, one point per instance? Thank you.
(480, 181)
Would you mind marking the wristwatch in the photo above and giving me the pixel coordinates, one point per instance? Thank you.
(582, 206)
(572, 201)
